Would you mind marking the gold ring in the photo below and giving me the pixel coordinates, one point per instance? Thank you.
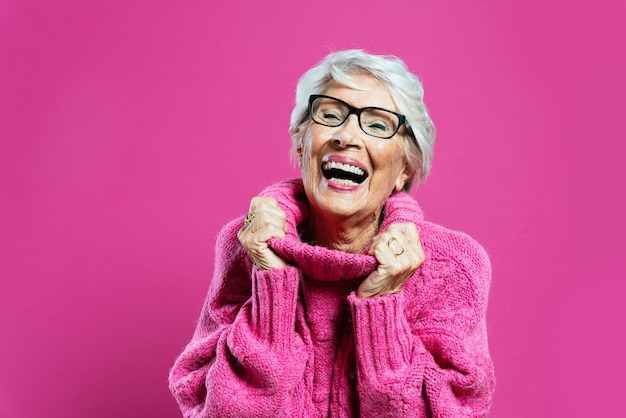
(248, 220)
(395, 254)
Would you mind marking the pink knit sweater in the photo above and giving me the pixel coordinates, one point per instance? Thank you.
(297, 342)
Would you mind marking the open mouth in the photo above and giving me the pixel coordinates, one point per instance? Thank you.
(344, 174)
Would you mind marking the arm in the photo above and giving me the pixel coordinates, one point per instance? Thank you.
(423, 351)
(246, 357)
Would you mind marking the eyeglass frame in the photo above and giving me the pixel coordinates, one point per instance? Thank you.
(356, 111)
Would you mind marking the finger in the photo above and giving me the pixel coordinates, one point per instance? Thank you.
(388, 263)
(393, 241)
(267, 220)
(267, 210)
(260, 232)
(413, 246)
(395, 267)
(396, 256)
(257, 201)
(396, 246)
(405, 236)
(267, 231)
(261, 217)
(405, 229)
(255, 243)
(409, 231)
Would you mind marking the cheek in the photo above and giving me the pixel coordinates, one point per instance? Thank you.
(307, 158)
(385, 155)
(310, 148)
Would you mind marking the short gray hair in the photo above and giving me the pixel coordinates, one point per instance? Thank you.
(404, 87)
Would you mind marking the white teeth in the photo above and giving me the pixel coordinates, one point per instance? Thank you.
(341, 166)
(344, 182)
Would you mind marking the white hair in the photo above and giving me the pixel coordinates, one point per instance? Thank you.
(404, 87)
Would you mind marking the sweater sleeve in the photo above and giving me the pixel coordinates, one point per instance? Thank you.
(423, 351)
(247, 356)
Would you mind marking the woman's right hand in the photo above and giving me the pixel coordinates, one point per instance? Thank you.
(265, 220)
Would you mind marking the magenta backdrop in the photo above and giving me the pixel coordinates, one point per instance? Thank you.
(131, 131)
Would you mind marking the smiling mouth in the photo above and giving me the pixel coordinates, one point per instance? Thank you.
(344, 174)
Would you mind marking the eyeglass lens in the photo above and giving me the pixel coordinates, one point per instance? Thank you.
(373, 121)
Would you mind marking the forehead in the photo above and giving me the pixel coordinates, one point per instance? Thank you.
(368, 91)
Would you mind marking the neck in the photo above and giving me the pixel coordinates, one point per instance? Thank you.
(348, 235)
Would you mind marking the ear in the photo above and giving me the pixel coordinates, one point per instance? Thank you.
(405, 175)
(300, 138)
(299, 154)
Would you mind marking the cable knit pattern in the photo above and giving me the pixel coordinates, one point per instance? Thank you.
(297, 342)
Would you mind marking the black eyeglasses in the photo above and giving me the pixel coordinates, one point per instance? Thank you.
(374, 121)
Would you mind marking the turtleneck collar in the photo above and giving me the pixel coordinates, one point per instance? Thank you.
(323, 263)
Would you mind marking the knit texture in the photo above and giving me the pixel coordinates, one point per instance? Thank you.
(297, 342)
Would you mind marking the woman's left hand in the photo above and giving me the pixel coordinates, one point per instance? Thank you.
(399, 253)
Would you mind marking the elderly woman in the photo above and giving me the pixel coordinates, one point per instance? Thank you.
(333, 296)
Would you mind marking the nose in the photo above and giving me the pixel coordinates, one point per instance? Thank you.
(349, 133)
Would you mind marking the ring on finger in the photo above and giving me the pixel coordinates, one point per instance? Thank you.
(393, 251)
(248, 220)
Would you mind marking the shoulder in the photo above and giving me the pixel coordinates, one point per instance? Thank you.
(456, 247)
(453, 282)
(285, 191)
(442, 245)
(230, 285)
(450, 290)
(227, 240)
(232, 266)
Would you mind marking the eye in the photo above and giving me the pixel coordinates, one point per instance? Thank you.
(379, 122)
(331, 116)
(331, 113)
(378, 127)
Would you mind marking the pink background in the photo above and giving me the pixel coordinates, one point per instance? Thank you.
(131, 131)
